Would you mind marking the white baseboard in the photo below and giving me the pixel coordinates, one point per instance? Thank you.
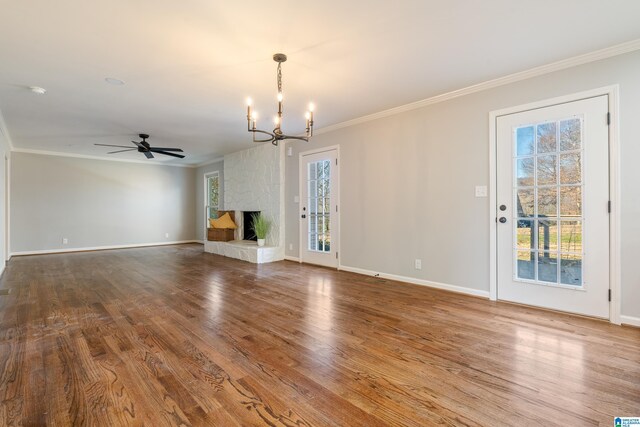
(101, 248)
(630, 320)
(292, 258)
(413, 280)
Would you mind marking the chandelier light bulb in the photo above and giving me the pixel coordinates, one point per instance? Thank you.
(311, 107)
(279, 96)
(276, 120)
(254, 115)
(249, 102)
(307, 115)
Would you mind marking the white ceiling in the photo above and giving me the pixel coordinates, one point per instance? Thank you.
(189, 66)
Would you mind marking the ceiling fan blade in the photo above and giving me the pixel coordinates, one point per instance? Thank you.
(121, 151)
(166, 153)
(148, 154)
(166, 149)
(139, 144)
(110, 145)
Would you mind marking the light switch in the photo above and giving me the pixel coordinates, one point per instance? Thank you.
(481, 191)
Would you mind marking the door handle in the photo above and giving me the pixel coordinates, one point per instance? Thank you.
(303, 216)
(502, 220)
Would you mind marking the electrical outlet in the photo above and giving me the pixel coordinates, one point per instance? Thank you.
(166, 235)
(290, 246)
(65, 241)
(418, 264)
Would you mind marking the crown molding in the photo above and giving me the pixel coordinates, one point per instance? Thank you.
(574, 61)
(86, 156)
(209, 162)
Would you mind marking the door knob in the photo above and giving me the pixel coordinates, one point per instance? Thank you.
(503, 208)
(502, 220)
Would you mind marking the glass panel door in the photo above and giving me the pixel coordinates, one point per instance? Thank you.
(548, 196)
(319, 202)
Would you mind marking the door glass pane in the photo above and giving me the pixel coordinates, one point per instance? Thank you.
(548, 267)
(524, 234)
(547, 201)
(524, 141)
(571, 269)
(571, 201)
(525, 202)
(546, 137)
(571, 237)
(571, 168)
(570, 134)
(524, 172)
(548, 195)
(526, 265)
(547, 173)
(547, 235)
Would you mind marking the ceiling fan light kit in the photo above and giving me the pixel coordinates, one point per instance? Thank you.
(276, 135)
(145, 148)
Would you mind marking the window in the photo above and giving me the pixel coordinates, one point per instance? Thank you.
(212, 189)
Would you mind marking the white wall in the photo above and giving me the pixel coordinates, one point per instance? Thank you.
(407, 181)
(200, 195)
(4, 152)
(97, 203)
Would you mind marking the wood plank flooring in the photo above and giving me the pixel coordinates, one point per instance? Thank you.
(173, 336)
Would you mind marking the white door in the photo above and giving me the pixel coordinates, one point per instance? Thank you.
(319, 225)
(553, 198)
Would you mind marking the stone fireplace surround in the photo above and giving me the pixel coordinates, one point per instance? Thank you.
(254, 181)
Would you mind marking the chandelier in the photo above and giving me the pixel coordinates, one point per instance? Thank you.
(276, 134)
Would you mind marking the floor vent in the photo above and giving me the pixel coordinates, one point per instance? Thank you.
(5, 292)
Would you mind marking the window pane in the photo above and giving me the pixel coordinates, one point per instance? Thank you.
(524, 141)
(546, 137)
(547, 173)
(547, 202)
(313, 242)
(570, 168)
(571, 201)
(523, 234)
(547, 235)
(525, 202)
(571, 236)
(526, 265)
(548, 267)
(524, 172)
(570, 134)
(571, 270)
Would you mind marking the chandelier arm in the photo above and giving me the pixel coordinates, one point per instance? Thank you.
(301, 138)
(272, 137)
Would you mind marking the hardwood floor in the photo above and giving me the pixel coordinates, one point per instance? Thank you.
(173, 336)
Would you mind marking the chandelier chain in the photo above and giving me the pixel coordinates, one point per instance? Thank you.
(279, 78)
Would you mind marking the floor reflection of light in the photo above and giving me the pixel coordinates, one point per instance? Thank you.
(214, 299)
(319, 317)
(552, 353)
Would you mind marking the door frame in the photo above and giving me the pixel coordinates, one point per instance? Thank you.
(612, 92)
(302, 173)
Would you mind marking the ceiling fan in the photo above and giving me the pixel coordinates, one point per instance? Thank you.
(144, 147)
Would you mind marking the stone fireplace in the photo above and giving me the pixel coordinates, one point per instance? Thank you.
(254, 182)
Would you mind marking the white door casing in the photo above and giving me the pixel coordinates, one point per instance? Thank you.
(552, 177)
(318, 209)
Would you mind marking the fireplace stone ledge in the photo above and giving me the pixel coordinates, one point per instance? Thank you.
(245, 250)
